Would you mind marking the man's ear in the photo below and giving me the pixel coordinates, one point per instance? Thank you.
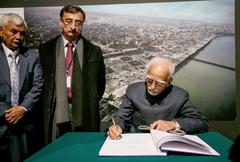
(1, 28)
(170, 80)
(61, 24)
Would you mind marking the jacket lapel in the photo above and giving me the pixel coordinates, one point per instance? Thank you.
(86, 51)
(79, 52)
(4, 70)
(23, 68)
(52, 51)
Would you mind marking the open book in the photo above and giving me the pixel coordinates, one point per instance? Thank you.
(155, 143)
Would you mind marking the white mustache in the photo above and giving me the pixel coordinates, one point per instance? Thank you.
(153, 92)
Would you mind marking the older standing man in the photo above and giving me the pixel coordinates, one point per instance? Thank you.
(21, 85)
(74, 74)
(158, 104)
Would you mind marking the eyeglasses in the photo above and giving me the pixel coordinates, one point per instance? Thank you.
(150, 81)
(77, 23)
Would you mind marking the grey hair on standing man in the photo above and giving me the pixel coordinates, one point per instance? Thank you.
(21, 86)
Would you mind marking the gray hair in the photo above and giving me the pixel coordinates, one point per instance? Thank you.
(18, 20)
(160, 60)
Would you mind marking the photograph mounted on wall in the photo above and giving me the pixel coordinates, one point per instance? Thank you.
(199, 36)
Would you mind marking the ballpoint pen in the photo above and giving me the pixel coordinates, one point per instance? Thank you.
(113, 121)
(114, 125)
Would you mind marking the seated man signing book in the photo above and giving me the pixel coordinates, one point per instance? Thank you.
(158, 104)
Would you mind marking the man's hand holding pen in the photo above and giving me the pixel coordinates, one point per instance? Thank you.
(115, 131)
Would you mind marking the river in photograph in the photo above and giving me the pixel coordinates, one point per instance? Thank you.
(212, 87)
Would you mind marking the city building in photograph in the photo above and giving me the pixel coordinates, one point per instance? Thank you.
(199, 36)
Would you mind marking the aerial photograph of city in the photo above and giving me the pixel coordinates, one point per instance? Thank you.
(199, 36)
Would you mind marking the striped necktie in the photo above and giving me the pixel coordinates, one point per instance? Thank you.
(14, 76)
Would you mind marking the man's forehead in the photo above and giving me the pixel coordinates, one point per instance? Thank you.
(77, 16)
(157, 70)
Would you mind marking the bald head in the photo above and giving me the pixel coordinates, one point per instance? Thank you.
(162, 66)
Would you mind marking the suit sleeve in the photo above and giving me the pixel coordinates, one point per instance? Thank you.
(191, 119)
(33, 95)
(125, 112)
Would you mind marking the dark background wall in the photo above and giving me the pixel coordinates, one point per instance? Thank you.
(228, 128)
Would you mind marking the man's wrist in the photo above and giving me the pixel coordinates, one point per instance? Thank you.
(26, 110)
(178, 127)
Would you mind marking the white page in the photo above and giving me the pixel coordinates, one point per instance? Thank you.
(187, 143)
(133, 144)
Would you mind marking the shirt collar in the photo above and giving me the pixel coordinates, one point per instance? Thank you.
(8, 51)
(65, 41)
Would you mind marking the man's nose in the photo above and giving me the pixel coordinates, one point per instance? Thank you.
(73, 26)
(153, 85)
(18, 35)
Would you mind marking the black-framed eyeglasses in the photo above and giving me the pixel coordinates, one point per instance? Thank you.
(77, 23)
(150, 81)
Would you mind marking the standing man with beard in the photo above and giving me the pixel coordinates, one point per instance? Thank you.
(158, 104)
(74, 74)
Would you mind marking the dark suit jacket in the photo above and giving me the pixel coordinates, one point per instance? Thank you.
(92, 80)
(30, 84)
(139, 108)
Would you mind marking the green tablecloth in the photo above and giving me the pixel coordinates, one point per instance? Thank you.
(84, 147)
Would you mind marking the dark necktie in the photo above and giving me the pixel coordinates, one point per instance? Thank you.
(69, 63)
(14, 76)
